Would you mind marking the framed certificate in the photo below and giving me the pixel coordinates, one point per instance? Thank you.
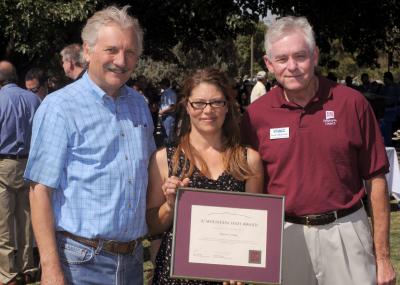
(222, 235)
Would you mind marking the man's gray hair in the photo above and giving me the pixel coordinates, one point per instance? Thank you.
(74, 53)
(108, 16)
(285, 26)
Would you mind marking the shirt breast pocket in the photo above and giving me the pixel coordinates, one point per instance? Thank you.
(141, 140)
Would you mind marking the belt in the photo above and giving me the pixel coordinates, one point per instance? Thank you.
(323, 219)
(13, 156)
(108, 245)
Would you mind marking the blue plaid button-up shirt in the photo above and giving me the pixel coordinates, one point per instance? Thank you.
(94, 152)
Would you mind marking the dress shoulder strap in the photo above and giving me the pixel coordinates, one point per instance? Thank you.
(170, 153)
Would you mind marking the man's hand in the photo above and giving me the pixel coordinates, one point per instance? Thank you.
(385, 272)
(378, 197)
(52, 275)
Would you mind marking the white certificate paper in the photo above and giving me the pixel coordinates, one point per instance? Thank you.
(228, 236)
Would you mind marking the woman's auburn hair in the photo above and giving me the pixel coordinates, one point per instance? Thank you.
(234, 156)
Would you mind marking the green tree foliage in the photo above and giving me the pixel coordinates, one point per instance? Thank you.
(243, 49)
(190, 23)
(221, 54)
(33, 31)
(365, 27)
(156, 70)
(35, 27)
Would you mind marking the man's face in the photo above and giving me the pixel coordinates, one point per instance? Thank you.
(34, 86)
(292, 62)
(113, 58)
(67, 66)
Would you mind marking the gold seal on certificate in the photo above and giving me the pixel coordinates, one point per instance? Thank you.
(227, 236)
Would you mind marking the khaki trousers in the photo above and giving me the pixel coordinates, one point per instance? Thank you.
(338, 253)
(15, 222)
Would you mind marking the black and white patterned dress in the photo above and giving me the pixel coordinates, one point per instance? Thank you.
(224, 182)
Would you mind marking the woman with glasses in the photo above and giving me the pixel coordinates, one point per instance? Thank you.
(207, 155)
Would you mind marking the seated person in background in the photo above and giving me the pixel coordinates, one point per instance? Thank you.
(207, 155)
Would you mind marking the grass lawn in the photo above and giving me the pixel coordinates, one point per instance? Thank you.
(395, 242)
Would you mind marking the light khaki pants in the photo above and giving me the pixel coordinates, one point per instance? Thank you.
(14, 215)
(334, 254)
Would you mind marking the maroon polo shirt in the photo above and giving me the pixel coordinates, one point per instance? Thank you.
(316, 156)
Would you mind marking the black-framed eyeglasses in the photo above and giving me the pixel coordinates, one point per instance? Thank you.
(200, 105)
(34, 89)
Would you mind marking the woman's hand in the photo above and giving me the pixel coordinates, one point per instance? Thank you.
(169, 188)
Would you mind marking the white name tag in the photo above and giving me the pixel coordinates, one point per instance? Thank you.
(279, 133)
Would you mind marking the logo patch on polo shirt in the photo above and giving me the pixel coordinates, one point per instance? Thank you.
(330, 118)
(279, 133)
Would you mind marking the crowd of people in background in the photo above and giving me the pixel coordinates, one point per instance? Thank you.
(384, 97)
(162, 96)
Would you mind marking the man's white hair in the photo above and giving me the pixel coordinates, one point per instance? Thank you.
(108, 16)
(285, 26)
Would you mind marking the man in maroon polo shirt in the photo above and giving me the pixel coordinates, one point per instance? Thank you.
(319, 140)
